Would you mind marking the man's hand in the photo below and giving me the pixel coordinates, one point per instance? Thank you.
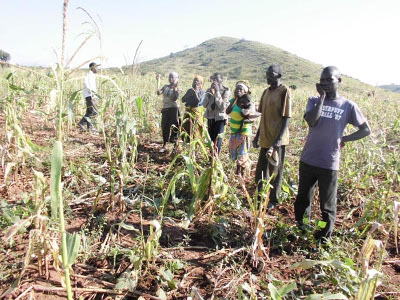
(343, 142)
(175, 86)
(214, 88)
(320, 91)
(277, 144)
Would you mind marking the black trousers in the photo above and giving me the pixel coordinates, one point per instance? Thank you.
(91, 112)
(327, 183)
(214, 129)
(169, 124)
(264, 171)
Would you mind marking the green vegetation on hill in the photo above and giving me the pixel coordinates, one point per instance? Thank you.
(242, 59)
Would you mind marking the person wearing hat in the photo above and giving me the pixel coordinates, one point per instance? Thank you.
(216, 100)
(242, 113)
(170, 111)
(327, 116)
(273, 134)
(192, 100)
(89, 93)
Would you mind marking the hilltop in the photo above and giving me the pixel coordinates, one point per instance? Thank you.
(243, 59)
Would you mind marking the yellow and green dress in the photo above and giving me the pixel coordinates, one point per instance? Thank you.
(239, 142)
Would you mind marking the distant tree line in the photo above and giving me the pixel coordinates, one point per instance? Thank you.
(4, 56)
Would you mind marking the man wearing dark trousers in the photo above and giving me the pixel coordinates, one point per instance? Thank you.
(276, 109)
(89, 93)
(327, 117)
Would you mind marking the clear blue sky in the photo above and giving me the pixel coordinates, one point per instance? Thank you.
(358, 36)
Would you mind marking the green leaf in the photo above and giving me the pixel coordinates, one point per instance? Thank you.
(173, 284)
(321, 224)
(23, 223)
(167, 274)
(139, 105)
(203, 184)
(128, 227)
(190, 168)
(327, 296)
(73, 96)
(35, 147)
(285, 188)
(274, 292)
(16, 87)
(287, 288)
(306, 264)
(73, 244)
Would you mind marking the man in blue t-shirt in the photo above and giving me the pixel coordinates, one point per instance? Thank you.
(327, 117)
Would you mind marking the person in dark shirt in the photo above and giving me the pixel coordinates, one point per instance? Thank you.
(216, 100)
(192, 100)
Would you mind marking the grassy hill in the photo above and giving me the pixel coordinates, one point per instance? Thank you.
(242, 59)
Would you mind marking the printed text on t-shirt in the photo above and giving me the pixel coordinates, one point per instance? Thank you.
(329, 112)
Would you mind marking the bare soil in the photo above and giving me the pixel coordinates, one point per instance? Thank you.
(211, 261)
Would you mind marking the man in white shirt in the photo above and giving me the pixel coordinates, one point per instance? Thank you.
(89, 93)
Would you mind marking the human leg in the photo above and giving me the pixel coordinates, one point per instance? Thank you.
(219, 128)
(211, 129)
(327, 183)
(277, 180)
(307, 184)
(164, 127)
(187, 124)
(84, 123)
(214, 129)
(91, 111)
(174, 126)
(261, 169)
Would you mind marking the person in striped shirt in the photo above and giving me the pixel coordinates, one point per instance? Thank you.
(242, 112)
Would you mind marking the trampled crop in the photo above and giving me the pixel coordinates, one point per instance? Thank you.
(96, 215)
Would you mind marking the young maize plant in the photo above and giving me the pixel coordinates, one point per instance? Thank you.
(207, 182)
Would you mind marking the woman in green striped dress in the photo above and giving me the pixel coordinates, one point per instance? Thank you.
(242, 112)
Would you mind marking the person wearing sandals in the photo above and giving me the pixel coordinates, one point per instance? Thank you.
(216, 100)
(192, 100)
(170, 110)
(242, 112)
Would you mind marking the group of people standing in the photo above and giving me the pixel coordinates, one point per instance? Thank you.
(272, 135)
(327, 115)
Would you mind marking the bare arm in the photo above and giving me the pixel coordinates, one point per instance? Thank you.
(160, 91)
(313, 115)
(230, 106)
(285, 124)
(256, 138)
(363, 131)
